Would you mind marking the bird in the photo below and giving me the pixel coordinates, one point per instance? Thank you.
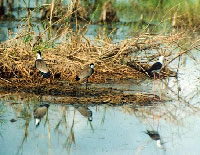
(155, 68)
(39, 112)
(85, 111)
(41, 66)
(85, 73)
(155, 136)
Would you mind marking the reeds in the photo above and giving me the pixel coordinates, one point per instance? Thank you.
(66, 59)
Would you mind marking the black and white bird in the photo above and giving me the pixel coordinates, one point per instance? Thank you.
(85, 73)
(155, 136)
(156, 67)
(41, 66)
(39, 112)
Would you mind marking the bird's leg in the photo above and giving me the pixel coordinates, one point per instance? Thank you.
(86, 83)
(160, 88)
(160, 99)
(153, 116)
(50, 80)
(159, 117)
(154, 78)
(40, 98)
(41, 79)
(40, 83)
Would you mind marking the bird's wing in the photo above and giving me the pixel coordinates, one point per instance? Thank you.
(41, 66)
(40, 112)
(155, 66)
(85, 111)
(85, 73)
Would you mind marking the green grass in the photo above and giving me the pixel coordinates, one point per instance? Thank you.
(155, 11)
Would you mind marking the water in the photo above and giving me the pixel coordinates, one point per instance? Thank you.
(16, 21)
(113, 130)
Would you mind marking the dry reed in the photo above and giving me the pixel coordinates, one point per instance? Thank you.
(112, 60)
(128, 59)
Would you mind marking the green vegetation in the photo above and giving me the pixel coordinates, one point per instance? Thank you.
(177, 13)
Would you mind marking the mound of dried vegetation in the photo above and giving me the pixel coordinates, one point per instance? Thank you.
(128, 59)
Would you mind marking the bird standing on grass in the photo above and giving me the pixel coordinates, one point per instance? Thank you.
(41, 66)
(155, 68)
(39, 112)
(85, 73)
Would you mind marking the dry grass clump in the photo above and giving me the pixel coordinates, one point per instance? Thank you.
(65, 60)
(128, 59)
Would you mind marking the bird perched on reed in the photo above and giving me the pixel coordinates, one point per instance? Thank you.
(39, 112)
(85, 73)
(41, 66)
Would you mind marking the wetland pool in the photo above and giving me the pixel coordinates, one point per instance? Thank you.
(113, 130)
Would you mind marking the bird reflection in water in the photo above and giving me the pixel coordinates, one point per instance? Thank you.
(39, 113)
(155, 136)
(85, 111)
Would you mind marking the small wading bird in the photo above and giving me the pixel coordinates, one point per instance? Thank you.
(155, 68)
(41, 66)
(155, 136)
(85, 73)
(39, 112)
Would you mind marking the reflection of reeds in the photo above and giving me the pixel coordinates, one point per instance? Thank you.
(71, 137)
(26, 114)
(2, 120)
(173, 111)
(99, 96)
